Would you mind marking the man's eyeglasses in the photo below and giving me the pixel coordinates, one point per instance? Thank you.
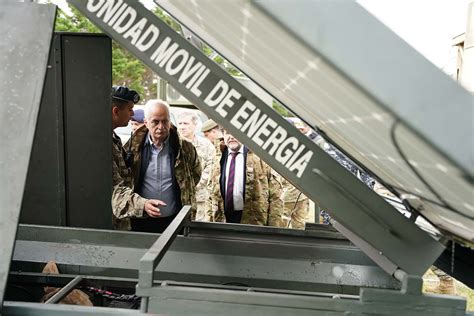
(155, 123)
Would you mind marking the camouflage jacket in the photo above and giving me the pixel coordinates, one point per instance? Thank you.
(205, 151)
(187, 167)
(125, 203)
(291, 193)
(263, 204)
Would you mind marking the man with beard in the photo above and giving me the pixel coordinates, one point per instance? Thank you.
(243, 188)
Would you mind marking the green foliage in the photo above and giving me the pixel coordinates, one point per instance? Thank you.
(280, 109)
(168, 20)
(126, 69)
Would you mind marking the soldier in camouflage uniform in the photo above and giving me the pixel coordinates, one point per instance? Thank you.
(296, 204)
(260, 201)
(163, 164)
(211, 131)
(125, 202)
(187, 122)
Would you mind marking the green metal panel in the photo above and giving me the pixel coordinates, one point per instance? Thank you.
(194, 300)
(87, 69)
(30, 309)
(69, 179)
(44, 200)
(284, 260)
(23, 59)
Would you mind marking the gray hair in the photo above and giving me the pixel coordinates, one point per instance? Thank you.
(191, 115)
(156, 103)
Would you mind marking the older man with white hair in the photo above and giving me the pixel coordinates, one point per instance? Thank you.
(165, 167)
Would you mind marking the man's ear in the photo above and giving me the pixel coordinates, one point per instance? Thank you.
(115, 110)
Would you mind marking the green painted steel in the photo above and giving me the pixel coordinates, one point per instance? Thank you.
(280, 144)
(23, 58)
(157, 251)
(30, 309)
(176, 299)
(290, 261)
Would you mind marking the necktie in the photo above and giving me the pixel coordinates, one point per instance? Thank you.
(229, 193)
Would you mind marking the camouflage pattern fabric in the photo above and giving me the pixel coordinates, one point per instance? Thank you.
(296, 206)
(125, 203)
(263, 203)
(205, 151)
(187, 167)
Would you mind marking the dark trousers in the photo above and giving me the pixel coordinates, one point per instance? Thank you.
(150, 224)
(233, 217)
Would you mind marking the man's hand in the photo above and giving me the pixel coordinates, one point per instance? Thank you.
(152, 207)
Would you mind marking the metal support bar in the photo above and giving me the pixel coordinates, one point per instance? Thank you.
(153, 256)
(65, 290)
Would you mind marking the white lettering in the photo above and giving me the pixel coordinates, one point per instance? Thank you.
(283, 157)
(227, 102)
(117, 15)
(253, 123)
(163, 52)
(301, 164)
(277, 137)
(131, 14)
(295, 155)
(154, 31)
(183, 55)
(263, 130)
(109, 9)
(195, 88)
(94, 7)
(188, 71)
(195, 77)
(221, 85)
(135, 31)
(242, 112)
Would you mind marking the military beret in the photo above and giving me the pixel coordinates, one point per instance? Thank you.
(138, 116)
(208, 125)
(125, 94)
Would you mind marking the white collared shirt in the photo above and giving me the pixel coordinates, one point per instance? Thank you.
(238, 178)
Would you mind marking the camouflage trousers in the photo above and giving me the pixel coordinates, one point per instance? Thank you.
(201, 213)
(295, 216)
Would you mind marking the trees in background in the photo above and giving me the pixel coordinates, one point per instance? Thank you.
(126, 68)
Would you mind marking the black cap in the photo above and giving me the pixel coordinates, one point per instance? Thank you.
(125, 94)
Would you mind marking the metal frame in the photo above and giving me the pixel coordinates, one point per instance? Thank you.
(22, 84)
(210, 253)
(171, 296)
(353, 204)
(391, 240)
(153, 256)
